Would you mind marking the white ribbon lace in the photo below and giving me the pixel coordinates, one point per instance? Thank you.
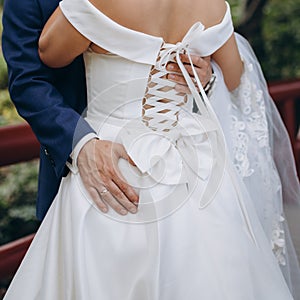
(169, 51)
(218, 146)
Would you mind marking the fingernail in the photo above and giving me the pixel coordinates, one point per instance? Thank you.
(170, 67)
(123, 211)
(133, 210)
(171, 76)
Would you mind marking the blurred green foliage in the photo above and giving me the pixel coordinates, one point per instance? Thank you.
(18, 186)
(8, 113)
(280, 37)
(3, 73)
(281, 34)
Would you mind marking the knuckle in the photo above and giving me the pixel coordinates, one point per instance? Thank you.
(108, 200)
(175, 77)
(123, 210)
(119, 208)
(119, 195)
(115, 205)
(98, 202)
(204, 63)
(102, 207)
(122, 185)
(199, 61)
(202, 74)
(110, 172)
(126, 203)
(181, 88)
(104, 181)
(112, 202)
(93, 195)
(132, 208)
(182, 80)
(118, 149)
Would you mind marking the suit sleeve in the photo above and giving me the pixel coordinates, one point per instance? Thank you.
(57, 126)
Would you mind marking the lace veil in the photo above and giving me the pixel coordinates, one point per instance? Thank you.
(260, 149)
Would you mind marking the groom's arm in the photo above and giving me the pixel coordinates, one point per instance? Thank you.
(31, 84)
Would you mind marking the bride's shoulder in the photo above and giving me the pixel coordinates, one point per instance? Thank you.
(215, 11)
(118, 5)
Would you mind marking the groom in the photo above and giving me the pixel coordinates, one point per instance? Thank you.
(52, 101)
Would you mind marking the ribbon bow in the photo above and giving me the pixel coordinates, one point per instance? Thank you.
(168, 53)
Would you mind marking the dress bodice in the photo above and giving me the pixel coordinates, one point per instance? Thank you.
(131, 102)
(115, 87)
(135, 45)
(123, 73)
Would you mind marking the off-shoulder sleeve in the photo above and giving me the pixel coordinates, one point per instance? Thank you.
(134, 45)
(214, 37)
(109, 35)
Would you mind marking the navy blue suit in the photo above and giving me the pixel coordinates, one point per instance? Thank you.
(50, 100)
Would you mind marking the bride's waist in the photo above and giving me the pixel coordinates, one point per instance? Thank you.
(173, 127)
(106, 127)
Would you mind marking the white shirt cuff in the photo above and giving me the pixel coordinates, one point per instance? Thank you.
(74, 154)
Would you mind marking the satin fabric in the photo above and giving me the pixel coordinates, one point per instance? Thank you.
(170, 249)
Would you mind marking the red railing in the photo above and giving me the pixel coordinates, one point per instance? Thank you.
(18, 144)
(11, 255)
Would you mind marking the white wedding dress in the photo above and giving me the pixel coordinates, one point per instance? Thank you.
(205, 228)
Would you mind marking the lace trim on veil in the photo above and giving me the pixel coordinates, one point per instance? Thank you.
(249, 125)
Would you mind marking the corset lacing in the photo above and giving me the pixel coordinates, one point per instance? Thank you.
(161, 107)
(162, 103)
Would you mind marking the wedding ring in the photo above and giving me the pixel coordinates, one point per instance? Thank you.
(104, 191)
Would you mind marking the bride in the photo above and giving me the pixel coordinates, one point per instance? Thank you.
(207, 219)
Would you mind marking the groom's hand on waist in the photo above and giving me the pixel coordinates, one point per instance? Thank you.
(98, 167)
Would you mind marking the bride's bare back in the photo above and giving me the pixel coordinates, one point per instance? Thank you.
(60, 42)
(169, 19)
